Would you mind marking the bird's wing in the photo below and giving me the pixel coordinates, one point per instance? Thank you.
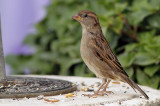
(102, 51)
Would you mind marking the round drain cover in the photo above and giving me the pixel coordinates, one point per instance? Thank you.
(19, 87)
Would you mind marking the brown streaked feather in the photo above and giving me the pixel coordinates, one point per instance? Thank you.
(105, 53)
(134, 86)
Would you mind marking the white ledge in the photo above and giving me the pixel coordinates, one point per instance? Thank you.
(122, 95)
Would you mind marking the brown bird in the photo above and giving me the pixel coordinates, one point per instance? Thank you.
(98, 56)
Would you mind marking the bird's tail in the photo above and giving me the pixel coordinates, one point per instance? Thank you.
(135, 86)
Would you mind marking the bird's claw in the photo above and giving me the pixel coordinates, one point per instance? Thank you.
(106, 92)
(93, 95)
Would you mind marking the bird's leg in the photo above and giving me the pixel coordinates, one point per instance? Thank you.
(97, 92)
(103, 82)
(105, 87)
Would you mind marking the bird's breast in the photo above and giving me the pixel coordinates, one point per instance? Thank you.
(97, 66)
(88, 57)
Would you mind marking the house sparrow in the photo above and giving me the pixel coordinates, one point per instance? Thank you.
(98, 56)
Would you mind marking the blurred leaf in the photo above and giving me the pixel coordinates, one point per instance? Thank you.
(145, 80)
(120, 7)
(146, 37)
(142, 77)
(154, 21)
(155, 4)
(131, 47)
(79, 70)
(66, 65)
(151, 70)
(127, 59)
(112, 39)
(144, 59)
(130, 72)
(136, 17)
(154, 82)
(140, 5)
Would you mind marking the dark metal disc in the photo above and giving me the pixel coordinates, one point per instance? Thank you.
(19, 87)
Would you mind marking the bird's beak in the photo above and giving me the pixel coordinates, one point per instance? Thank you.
(77, 17)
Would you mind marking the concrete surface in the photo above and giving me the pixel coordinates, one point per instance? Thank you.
(123, 95)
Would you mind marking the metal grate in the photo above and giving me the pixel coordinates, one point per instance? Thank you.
(19, 87)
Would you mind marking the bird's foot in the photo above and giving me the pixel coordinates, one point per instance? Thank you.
(104, 92)
(93, 95)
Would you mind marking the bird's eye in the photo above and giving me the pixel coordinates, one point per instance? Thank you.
(85, 15)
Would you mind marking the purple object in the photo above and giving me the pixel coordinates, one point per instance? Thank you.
(18, 19)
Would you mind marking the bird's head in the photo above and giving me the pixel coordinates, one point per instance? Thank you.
(86, 18)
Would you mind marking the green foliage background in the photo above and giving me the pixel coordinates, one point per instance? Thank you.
(132, 27)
